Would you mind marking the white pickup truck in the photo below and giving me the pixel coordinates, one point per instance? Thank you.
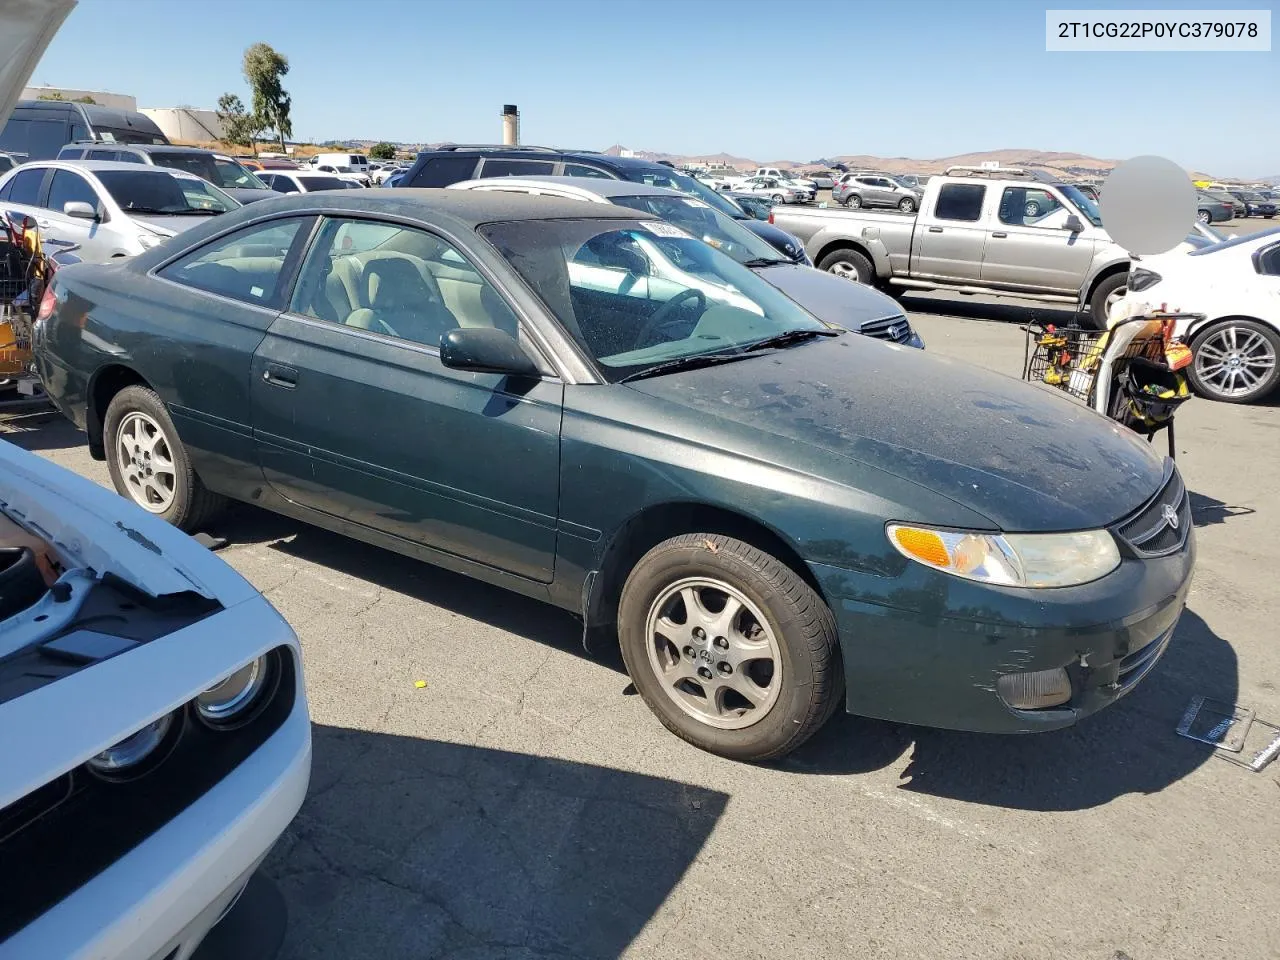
(1003, 231)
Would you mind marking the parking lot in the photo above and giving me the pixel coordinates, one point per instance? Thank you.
(483, 788)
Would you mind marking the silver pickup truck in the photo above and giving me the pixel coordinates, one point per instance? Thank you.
(1003, 231)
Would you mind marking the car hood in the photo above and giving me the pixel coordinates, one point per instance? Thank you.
(167, 226)
(776, 237)
(829, 297)
(26, 28)
(1020, 455)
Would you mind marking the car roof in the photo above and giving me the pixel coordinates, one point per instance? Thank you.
(99, 166)
(593, 185)
(465, 208)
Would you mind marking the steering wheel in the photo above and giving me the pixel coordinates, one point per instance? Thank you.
(662, 316)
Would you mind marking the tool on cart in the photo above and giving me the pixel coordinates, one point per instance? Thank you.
(1132, 372)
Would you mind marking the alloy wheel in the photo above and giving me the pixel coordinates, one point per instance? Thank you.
(146, 462)
(1234, 361)
(714, 653)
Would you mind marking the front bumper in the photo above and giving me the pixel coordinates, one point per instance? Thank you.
(925, 648)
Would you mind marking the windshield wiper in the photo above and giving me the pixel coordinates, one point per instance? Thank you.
(766, 262)
(788, 337)
(684, 363)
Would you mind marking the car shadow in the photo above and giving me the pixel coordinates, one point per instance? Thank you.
(1206, 510)
(44, 430)
(1130, 747)
(1000, 312)
(463, 595)
(410, 848)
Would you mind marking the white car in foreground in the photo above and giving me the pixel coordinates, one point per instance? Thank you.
(107, 207)
(1236, 285)
(155, 739)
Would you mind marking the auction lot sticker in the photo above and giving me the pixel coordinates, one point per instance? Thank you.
(1157, 30)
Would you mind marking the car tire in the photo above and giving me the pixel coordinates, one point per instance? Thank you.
(148, 463)
(848, 263)
(1211, 350)
(1204, 216)
(1032, 209)
(1107, 289)
(778, 198)
(907, 205)
(853, 201)
(780, 647)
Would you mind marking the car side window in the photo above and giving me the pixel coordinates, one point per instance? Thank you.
(105, 155)
(960, 201)
(396, 281)
(517, 168)
(68, 187)
(24, 188)
(245, 265)
(579, 170)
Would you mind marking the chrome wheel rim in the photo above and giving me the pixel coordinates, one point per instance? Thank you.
(845, 270)
(713, 653)
(1203, 217)
(1234, 361)
(906, 206)
(146, 462)
(855, 201)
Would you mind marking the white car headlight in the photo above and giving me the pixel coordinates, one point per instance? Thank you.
(233, 699)
(1010, 559)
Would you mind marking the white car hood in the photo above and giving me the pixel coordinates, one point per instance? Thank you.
(26, 28)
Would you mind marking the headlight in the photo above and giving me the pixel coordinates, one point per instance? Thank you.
(149, 240)
(136, 754)
(1141, 279)
(1010, 559)
(231, 701)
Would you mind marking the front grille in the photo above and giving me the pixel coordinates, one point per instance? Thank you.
(1162, 526)
(895, 329)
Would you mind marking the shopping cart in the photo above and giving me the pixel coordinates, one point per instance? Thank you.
(23, 265)
(1131, 373)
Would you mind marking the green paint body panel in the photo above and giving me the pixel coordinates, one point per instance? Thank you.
(527, 484)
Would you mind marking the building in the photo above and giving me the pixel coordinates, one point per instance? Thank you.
(116, 101)
(185, 123)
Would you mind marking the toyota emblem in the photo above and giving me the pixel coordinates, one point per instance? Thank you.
(1170, 515)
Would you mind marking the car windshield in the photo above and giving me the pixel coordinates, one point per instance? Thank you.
(159, 193)
(232, 174)
(660, 176)
(1249, 196)
(711, 226)
(638, 294)
(1082, 202)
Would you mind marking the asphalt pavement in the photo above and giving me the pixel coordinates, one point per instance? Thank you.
(485, 789)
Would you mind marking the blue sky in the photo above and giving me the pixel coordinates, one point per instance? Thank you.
(766, 79)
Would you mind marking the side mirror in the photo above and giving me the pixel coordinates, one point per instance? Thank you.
(80, 210)
(485, 350)
(1073, 224)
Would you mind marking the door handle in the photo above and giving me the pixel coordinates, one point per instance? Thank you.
(278, 375)
(999, 234)
(42, 223)
(935, 229)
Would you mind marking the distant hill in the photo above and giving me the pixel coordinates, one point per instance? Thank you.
(1056, 164)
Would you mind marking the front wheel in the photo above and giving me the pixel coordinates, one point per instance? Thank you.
(849, 264)
(1105, 295)
(1235, 361)
(148, 463)
(729, 647)
(907, 205)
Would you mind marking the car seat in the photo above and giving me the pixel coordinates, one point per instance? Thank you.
(401, 304)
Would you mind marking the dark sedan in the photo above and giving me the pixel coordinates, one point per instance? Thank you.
(1211, 209)
(779, 518)
(1255, 204)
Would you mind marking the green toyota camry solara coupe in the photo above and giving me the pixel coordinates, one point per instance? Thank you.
(776, 516)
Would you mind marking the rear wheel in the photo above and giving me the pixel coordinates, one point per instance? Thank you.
(1235, 361)
(853, 200)
(778, 198)
(1204, 216)
(148, 463)
(729, 647)
(848, 263)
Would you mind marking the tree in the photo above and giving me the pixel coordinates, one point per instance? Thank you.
(383, 151)
(85, 99)
(54, 95)
(263, 69)
(238, 127)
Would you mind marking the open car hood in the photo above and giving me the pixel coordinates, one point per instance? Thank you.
(26, 27)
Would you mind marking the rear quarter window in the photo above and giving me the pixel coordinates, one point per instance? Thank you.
(443, 171)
